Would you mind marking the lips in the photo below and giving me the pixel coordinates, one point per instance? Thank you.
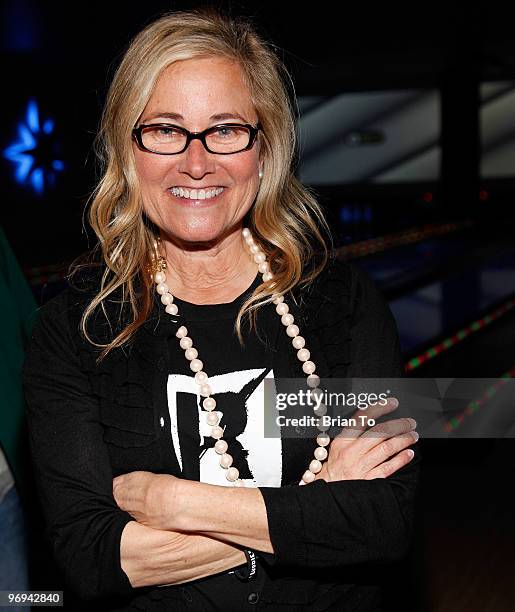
(196, 194)
(192, 198)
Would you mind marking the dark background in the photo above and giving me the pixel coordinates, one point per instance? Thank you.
(64, 55)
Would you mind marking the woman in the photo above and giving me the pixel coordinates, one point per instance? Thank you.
(144, 380)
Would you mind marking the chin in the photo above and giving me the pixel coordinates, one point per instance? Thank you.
(207, 233)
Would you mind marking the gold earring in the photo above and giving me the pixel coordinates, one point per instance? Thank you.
(159, 262)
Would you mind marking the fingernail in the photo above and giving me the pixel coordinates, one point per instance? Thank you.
(393, 401)
(411, 453)
(413, 423)
(415, 435)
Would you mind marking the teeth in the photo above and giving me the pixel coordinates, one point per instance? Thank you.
(196, 194)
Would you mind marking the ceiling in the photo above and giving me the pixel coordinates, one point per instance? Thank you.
(358, 45)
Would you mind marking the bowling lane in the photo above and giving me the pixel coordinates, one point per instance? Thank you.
(446, 305)
(436, 286)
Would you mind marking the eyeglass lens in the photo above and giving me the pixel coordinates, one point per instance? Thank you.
(223, 139)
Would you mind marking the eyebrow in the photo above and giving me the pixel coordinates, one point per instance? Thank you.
(177, 117)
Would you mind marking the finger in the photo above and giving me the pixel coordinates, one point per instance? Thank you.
(377, 434)
(387, 449)
(393, 465)
(388, 429)
(371, 412)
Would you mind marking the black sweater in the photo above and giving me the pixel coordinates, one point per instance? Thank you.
(89, 423)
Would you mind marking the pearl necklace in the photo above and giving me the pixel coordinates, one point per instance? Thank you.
(196, 365)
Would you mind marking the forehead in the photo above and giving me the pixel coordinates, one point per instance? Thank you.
(199, 88)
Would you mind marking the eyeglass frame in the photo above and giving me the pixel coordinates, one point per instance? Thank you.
(137, 135)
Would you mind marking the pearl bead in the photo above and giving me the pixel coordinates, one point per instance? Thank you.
(312, 396)
(246, 232)
(209, 403)
(200, 377)
(267, 276)
(196, 365)
(292, 330)
(172, 309)
(166, 299)
(298, 342)
(186, 343)
(303, 354)
(320, 453)
(205, 390)
(320, 410)
(232, 474)
(277, 299)
(282, 309)
(191, 353)
(313, 381)
(308, 476)
(217, 432)
(259, 258)
(315, 466)
(221, 446)
(323, 439)
(159, 277)
(263, 267)
(308, 367)
(287, 319)
(254, 248)
(321, 426)
(249, 240)
(162, 288)
(182, 332)
(226, 460)
(212, 418)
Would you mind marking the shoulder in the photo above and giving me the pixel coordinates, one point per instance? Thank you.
(60, 315)
(80, 288)
(54, 312)
(347, 315)
(345, 286)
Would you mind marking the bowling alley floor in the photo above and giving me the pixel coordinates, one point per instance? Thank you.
(464, 558)
(464, 549)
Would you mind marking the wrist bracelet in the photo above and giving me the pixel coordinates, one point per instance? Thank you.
(245, 574)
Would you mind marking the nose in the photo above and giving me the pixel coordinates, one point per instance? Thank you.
(196, 161)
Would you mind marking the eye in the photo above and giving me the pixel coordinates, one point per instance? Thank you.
(167, 131)
(225, 131)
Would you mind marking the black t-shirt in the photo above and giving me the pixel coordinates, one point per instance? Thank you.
(236, 377)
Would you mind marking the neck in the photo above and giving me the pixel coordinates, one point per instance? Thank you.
(208, 273)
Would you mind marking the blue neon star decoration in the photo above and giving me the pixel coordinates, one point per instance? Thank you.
(34, 152)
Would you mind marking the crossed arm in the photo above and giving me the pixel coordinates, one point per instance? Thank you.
(186, 530)
(207, 519)
(310, 526)
(157, 557)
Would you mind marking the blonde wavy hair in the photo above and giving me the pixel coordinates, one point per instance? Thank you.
(285, 218)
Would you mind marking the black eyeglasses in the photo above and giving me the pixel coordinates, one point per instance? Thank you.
(167, 139)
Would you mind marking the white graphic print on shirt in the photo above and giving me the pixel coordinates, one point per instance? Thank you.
(241, 395)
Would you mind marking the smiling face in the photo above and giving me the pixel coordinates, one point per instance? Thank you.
(197, 94)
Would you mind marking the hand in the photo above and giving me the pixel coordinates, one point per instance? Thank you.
(356, 454)
(151, 499)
